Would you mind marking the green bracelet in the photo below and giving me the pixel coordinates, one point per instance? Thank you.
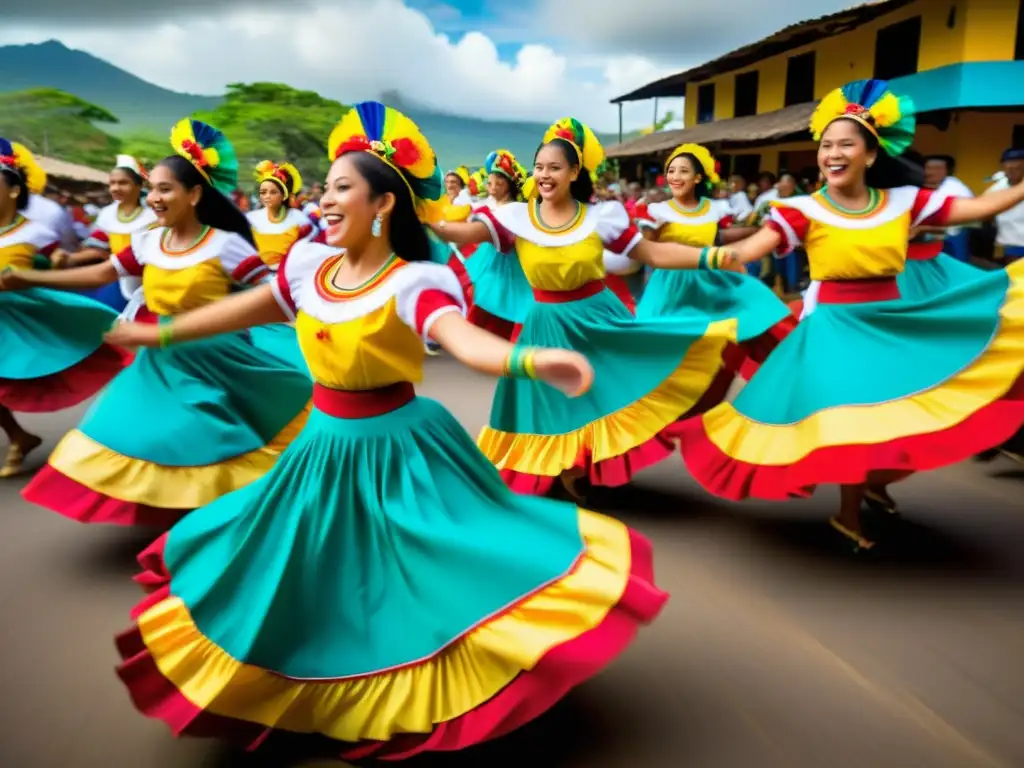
(165, 332)
(702, 262)
(519, 363)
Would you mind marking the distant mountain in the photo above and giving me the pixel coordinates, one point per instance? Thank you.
(142, 106)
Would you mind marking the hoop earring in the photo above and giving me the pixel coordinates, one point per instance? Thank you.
(378, 222)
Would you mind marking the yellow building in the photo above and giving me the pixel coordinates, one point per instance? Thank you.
(962, 61)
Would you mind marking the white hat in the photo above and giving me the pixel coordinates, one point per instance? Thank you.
(129, 162)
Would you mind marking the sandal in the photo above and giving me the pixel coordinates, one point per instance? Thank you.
(880, 502)
(860, 544)
(16, 454)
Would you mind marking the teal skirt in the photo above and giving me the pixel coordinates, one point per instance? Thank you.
(648, 373)
(53, 351)
(885, 386)
(178, 428)
(499, 285)
(923, 278)
(281, 341)
(713, 296)
(376, 585)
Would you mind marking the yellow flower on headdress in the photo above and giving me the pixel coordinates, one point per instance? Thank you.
(589, 149)
(707, 162)
(19, 159)
(529, 189)
(871, 104)
(286, 176)
(395, 140)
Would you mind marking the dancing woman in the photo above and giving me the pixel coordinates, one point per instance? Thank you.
(184, 425)
(278, 226)
(692, 217)
(944, 380)
(500, 292)
(115, 224)
(319, 600)
(53, 351)
(650, 372)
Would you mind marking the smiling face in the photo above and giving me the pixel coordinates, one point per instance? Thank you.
(122, 186)
(453, 185)
(553, 172)
(349, 206)
(271, 196)
(843, 155)
(682, 177)
(169, 199)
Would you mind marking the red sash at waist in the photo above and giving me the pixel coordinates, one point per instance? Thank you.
(362, 404)
(858, 291)
(924, 251)
(585, 291)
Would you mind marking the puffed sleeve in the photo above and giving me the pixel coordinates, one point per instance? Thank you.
(653, 217)
(98, 239)
(931, 208)
(241, 261)
(616, 230)
(429, 292)
(502, 239)
(129, 261)
(790, 224)
(297, 267)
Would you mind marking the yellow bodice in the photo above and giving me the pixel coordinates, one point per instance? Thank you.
(173, 291)
(274, 239)
(697, 227)
(366, 352)
(841, 246)
(563, 259)
(20, 244)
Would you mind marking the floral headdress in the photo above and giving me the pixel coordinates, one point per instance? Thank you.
(209, 151)
(286, 176)
(589, 151)
(396, 141)
(18, 159)
(708, 166)
(890, 118)
(503, 162)
(129, 163)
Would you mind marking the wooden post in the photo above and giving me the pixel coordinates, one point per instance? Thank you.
(654, 125)
(620, 122)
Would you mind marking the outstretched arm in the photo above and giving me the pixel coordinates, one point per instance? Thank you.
(93, 276)
(965, 210)
(483, 351)
(256, 306)
(760, 244)
(676, 256)
(462, 232)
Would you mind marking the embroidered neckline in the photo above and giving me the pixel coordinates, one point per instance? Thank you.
(328, 270)
(569, 226)
(703, 206)
(18, 221)
(198, 243)
(877, 200)
(130, 217)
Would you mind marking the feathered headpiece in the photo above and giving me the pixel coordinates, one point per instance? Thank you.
(869, 102)
(129, 163)
(18, 159)
(503, 162)
(529, 188)
(588, 149)
(395, 140)
(286, 176)
(209, 151)
(707, 163)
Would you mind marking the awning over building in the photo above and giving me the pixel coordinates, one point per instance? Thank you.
(769, 127)
(59, 169)
(793, 36)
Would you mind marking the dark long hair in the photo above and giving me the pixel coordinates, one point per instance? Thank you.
(14, 179)
(702, 188)
(581, 190)
(889, 172)
(408, 237)
(214, 209)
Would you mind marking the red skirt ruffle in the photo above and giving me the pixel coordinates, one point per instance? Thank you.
(56, 491)
(617, 285)
(527, 697)
(66, 388)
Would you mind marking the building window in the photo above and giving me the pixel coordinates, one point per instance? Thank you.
(706, 103)
(745, 103)
(896, 49)
(1018, 137)
(800, 79)
(1018, 51)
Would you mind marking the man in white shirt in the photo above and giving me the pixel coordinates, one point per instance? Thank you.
(1010, 224)
(938, 175)
(738, 200)
(55, 216)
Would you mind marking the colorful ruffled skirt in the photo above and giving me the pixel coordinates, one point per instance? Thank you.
(922, 278)
(380, 591)
(648, 373)
(762, 320)
(502, 295)
(176, 429)
(868, 383)
(53, 351)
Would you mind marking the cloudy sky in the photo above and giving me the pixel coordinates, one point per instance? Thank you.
(498, 59)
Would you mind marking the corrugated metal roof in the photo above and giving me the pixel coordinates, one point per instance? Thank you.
(766, 127)
(793, 36)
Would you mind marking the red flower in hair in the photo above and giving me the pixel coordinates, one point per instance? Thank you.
(855, 109)
(195, 152)
(567, 134)
(354, 144)
(406, 153)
